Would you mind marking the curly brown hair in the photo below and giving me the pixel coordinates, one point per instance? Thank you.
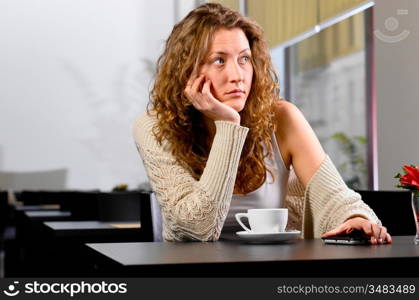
(182, 125)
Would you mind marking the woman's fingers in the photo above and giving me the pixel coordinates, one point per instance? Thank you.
(331, 232)
(198, 92)
(197, 84)
(342, 229)
(191, 89)
(383, 235)
(206, 90)
(388, 238)
(378, 234)
(369, 230)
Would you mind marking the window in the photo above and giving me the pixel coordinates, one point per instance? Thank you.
(327, 76)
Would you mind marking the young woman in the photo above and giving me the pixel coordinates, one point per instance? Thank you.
(218, 139)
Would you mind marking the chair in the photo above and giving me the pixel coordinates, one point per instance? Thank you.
(37, 197)
(393, 208)
(4, 215)
(156, 219)
(34, 180)
(83, 205)
(127, 206)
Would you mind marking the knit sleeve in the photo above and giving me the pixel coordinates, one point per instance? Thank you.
(329, 202)
(192, 209)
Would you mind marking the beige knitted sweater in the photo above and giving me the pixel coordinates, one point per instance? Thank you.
(196, 209)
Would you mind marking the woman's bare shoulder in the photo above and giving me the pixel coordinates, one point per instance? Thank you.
(285, 107)
(286, 115)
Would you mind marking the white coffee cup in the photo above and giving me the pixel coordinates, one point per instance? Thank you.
(266, 220)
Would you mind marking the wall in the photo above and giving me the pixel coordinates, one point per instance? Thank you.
(73, 76)
(397, 87)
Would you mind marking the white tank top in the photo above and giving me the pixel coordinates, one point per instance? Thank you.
(269, 195)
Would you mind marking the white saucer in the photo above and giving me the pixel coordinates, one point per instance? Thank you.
(271, 237)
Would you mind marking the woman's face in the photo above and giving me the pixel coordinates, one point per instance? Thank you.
(229, 68)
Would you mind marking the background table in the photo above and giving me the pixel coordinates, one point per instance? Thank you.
(60, 249)
(310, 258)
(91, 230)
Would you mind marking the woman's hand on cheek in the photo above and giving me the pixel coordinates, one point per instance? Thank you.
(378, 234)
(198, 92)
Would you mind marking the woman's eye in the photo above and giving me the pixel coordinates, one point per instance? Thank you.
(219, 61)
(244, 59)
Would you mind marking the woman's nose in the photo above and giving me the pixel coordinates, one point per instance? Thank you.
(235, 72)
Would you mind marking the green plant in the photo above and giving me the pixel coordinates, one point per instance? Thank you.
(120, 188)
(355, 164)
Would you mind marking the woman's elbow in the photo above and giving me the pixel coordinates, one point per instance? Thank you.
(196, 229)
(196, 235)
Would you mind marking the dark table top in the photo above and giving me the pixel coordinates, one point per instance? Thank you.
(166, 258)
(45, 207)
(175, 253)
(94, 231)
(47, 214)
(75, 227)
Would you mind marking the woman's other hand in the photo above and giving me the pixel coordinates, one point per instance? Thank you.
(378, 234)
(198, 92)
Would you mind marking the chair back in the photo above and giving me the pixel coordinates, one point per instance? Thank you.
(121, 206)
(82, 204)
(34, 180)
(156, 219)
(4, 211)
(127, 206)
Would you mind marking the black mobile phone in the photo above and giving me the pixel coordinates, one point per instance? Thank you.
(356, 237)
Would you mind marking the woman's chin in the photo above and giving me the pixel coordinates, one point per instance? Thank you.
(237, 105)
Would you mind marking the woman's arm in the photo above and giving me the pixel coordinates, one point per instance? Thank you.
(330, 206)
(298, 142)
(192, 209)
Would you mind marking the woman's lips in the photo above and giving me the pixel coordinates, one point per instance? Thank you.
(236, 93)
